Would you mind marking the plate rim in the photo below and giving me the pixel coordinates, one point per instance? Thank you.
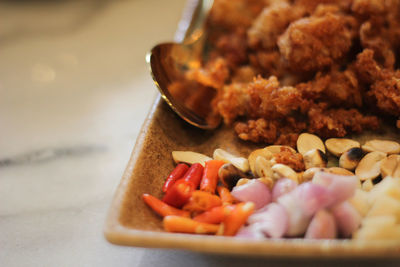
(117, 233)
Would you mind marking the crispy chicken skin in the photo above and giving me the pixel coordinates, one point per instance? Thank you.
(314, 43)
(280, 68)
(277, 114)
(271, 23)
(383, 83)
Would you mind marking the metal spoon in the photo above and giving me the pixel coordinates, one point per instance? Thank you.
(168, 63)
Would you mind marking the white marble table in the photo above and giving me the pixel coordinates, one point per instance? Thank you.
(74, 91)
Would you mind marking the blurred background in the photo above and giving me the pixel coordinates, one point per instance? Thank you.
(74, 92)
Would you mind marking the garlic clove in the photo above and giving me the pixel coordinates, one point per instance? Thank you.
(189, 157)
(350, 159)
(307, 142)
(239, 162)
(283, 171)
(258, 153)
(277, 148)
(337, 146)
(390, 166)
(370, 166)
(315, 158)
(385, 146)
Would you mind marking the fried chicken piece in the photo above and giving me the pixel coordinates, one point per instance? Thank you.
(380, 29)
(372, 36)
(386, 93)
(232, 102)
(339, 122)
(368, 8)
(260, 130)
(214, 74)
(367, 68)
(271, 23)
(338, 88)
(233, 14)
(293, 160)
(268, 63)
(262, 98)
(311, 5)
(313, 43)
(232, 47)
(244, 74)
(270, 131)
(384, 90)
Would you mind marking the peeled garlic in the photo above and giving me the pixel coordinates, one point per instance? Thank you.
(339, 171)
(239, 162)
(309, 173)
(385, 146)
(258, 153)
(307, 141)
(277, 148)
(283, 171)
(189, 157)
(262, 167)
(337, 146)
(350, 159)
(390, 166)
(367, 185)
(315, 158)
(242, 181)
(370, 166)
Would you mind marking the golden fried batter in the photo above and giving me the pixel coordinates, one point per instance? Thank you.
(280, 68)
(293, 160)
(313, 43)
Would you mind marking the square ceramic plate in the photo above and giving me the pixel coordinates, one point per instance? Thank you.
(130, 222)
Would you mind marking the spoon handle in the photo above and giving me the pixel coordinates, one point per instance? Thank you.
(191, 26)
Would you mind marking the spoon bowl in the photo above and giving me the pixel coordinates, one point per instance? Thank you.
(169, 63)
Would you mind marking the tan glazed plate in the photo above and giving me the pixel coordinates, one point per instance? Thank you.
(130, 222)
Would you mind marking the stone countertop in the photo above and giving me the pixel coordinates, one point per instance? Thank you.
(74, 92)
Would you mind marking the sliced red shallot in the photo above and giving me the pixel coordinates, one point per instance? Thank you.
(254, 191)
(322, 226)
(347, 218)
(281, 187)
(298, 219)
(301, 204)
(340, 187)
(273, 220)
(250, 232)
(312, 197)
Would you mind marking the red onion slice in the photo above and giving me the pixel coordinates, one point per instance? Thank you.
(250, 232)
(347, 218)
(281, 187)
(273, 221)
(298, 219)
(322, 226)
(340, 187)
(254, 191)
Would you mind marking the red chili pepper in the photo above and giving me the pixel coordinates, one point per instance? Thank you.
(162, 208)
(175, 175)
(186, 225)
(201, 201)
(237, 218)
(179, 194)
(215, 215)
(225, 195)
(210, 175)
(194, 174)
